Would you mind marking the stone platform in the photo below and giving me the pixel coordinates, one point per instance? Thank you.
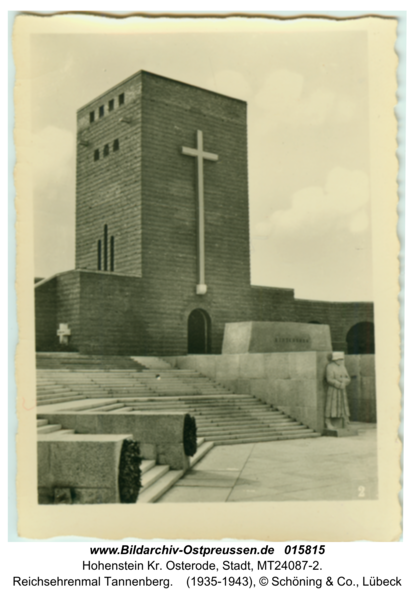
(296, 470)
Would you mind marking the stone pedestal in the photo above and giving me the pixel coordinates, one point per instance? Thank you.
(346, 432)
(260, 337)
(340, 429)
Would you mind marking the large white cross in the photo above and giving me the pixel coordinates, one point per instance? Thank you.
(198, 152)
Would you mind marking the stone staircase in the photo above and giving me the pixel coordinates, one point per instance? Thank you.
(222, 417)
(156, 480)
(63, 385)
(227, 418)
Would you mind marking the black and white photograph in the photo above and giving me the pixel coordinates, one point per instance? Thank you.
(204, 213)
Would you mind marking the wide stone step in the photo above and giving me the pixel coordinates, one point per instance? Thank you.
(41, 422)
(59, 394)
(228, 411)
(244, 419)
(146, 465)
(57, 398)
(243, 431)
(151, 362)
(149, 408)
(222, 413)
(153, 493)
(224, 431)
(65, 431)
(107, 407)
(153, 475)
(204, 448)
(178, 371)
(55, 401)
(45, 384)
(246, 404)
(230, 431)
(152, 399)
(242, 426)
(262, 438)
(48, 428)
(204, 423)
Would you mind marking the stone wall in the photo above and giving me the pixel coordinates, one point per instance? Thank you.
(109, 313)
(79, 469)
(361, 392)
(46, 315)
(101, 309)
(341, 316)
(111, 317)
(291, 381)
(160, 435)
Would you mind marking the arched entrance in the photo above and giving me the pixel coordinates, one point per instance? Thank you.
(198, 332)
(361, 338)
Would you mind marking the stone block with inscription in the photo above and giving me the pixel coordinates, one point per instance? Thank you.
(258, 336)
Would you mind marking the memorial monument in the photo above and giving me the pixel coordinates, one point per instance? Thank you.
(162, 236)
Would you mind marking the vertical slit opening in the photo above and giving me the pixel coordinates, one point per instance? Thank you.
(112, 255)
(105, 247)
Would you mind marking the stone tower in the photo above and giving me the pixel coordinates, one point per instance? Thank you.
(137, 192)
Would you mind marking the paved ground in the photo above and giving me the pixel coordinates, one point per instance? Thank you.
(324, 468)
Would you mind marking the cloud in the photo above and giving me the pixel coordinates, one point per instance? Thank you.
(342, 205)
(283, 99)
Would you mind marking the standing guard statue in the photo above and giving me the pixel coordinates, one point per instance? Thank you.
(337, 412)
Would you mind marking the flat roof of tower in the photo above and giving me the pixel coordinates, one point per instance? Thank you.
(114, 87)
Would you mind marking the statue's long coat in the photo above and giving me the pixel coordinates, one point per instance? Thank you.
(337, 378)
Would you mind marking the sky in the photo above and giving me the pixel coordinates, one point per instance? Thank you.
(308, 142)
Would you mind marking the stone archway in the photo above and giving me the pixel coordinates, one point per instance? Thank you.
(198, 332)
(361, 338)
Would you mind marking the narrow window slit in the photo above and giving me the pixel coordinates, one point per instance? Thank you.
(112, 254)
(105, 247)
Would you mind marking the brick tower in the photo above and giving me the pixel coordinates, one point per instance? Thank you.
(137, 205)
(138, 211)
